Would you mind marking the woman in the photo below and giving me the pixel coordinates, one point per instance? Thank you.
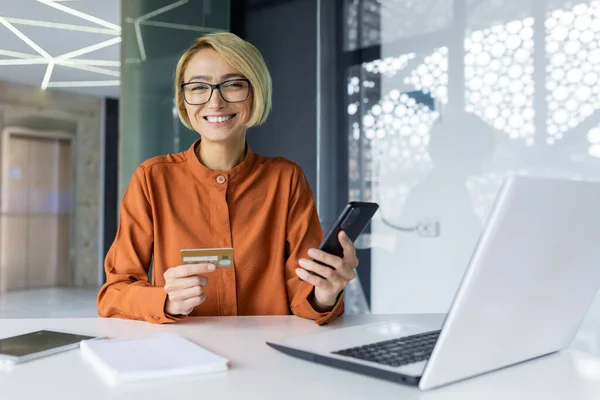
(219, 194)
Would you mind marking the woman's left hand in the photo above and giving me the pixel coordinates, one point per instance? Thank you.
(331, 280)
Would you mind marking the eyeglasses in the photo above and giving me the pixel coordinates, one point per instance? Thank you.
(232, 91)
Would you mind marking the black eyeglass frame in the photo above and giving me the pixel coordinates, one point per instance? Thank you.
(212, 89)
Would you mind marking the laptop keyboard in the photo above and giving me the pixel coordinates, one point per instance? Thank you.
(395, 352)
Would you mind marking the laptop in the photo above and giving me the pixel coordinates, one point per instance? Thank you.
(532, 277)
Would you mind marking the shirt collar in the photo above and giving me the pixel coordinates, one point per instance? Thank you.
(207, 175)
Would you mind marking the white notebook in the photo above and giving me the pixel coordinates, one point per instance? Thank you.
(151, 357)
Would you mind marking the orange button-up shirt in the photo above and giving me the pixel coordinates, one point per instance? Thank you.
(263, 209)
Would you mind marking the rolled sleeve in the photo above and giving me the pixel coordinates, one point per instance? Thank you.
(304, 232)
(127, 292)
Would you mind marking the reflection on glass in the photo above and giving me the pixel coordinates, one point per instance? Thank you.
(155, 33)
(531, 99)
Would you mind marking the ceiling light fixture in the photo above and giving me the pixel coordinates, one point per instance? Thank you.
(84, 83)
(24, 38)
(56, 25)
(80, 14)
(89, 68)
(26, 61)
(88, 49)
(17, 54)
(34, 46)
(99, 63)
(67, 59)
(47, 75)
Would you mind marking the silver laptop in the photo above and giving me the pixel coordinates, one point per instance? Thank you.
(528, 286)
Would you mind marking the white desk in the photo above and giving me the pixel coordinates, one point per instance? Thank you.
(260, 372)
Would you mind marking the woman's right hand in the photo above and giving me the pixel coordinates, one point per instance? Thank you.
(184, 287)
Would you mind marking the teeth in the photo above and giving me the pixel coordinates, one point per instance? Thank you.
(218, 119)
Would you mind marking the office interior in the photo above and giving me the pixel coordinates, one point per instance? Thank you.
(422, 106)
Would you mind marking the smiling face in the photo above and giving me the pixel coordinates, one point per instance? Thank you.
(217, 120)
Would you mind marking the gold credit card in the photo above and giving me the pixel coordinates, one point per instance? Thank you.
(221, 258)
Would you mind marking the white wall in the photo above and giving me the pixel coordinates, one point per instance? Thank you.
(529, 103)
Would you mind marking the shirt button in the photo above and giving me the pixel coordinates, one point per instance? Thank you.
(220, 179)
(156, 317)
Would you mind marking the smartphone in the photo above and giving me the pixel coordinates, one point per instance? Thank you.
(353, 219)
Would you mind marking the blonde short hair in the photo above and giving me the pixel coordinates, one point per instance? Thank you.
(241, 55)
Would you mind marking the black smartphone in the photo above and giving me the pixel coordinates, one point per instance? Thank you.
(353, 219)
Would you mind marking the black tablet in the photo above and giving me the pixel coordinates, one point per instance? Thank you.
(25, 347)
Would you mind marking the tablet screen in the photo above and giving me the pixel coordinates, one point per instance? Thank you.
(35, 342)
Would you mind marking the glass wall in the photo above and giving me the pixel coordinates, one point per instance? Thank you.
(449, 98)
(155, 34)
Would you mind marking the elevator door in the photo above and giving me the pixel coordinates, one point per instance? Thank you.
(35, 212)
